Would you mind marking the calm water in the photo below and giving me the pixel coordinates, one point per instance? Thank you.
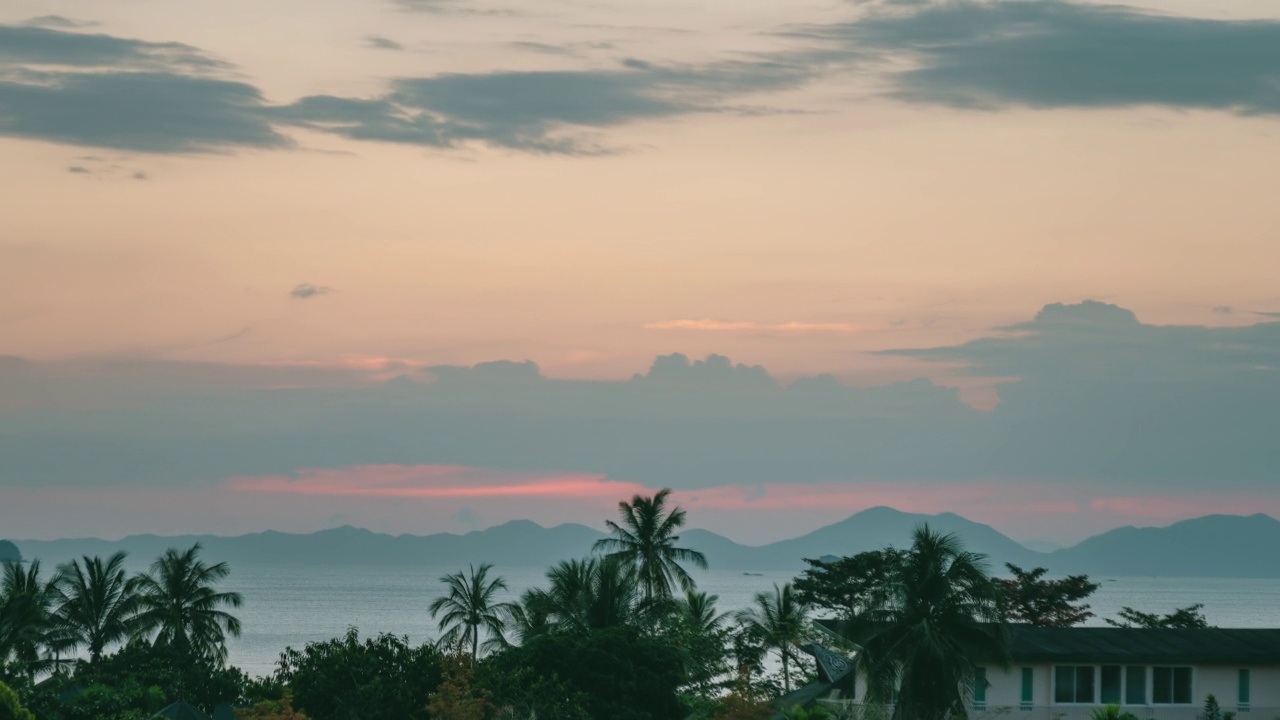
(292, 605)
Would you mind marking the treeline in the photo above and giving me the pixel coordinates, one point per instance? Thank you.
(623, 634)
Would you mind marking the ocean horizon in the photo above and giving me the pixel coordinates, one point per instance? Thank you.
(291, 605)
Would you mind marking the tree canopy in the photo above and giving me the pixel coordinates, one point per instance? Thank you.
(1030, 598)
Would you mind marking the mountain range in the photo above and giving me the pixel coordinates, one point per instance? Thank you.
(1210, 546)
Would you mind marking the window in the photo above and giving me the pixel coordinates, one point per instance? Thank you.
(1171, 685)
(1242, 698)
(1028, 697)
(1110, 684)
(1135, 685)
(980, 688)
(1073, 684)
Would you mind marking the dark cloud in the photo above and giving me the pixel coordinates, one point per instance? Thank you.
(124, 94)
(168, 97)
(28, 45)
(58, 21)
(1223, 309)
(378, 42)
(1052, 54)
(79, 170)
(449, 7)
(304, 291)
(539, 111)
(144, 111)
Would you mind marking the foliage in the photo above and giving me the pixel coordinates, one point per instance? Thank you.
(742, 706)
(700, 633)
(798, 712)
(1190, 617)
(1029, 598)
(10, 708)
(177, 600)
(941, 614)
(469, 607)
(618, 673)
(381, 678)
(779, 622)
(646, 539)
(584, 595)
(457, 698)
(271, 709)
(850, 585)
(26, 627)
(1112, 712)
(97, 603)
(144, 677)
(1213, 711)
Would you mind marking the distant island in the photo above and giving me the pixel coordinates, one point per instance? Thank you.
(1210, 546)
(9, 552)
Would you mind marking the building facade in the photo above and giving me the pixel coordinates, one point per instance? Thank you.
(1165, 674)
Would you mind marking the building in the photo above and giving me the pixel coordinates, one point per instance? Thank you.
(1165, 674)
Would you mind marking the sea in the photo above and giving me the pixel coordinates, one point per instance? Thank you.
(292, 605)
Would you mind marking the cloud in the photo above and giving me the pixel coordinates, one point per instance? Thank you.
(1223, 309)
(995, 54)
(79, 170)
(1092, 396)
(751, 326)
(304, 291)
(378, 42)
(538, 111)
(58, 21)
(104, 91)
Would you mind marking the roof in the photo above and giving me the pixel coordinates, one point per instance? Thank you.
(1139, 646)
(181, 711)
(1202, 646)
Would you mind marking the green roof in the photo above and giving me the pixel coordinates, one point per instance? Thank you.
(1139, 646)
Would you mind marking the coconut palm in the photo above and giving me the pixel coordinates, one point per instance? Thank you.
(646, 539)
(698, 611)
(469, 607)
(591, 594)
(940, 616)
(779, 621)
(27, 631)
(97, 603)
(178, 601)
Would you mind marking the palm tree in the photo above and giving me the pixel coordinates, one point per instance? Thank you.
(941, 615)
(698, 610)
(646, 539)
(27, 630)
(96, 603)
(179, 602)
(780, 622)
(470, 606)
(591, 594)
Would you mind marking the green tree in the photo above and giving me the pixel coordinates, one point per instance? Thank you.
(780, 621)
(97, 603)
(179, 601)
(28, 634)
(586, 595)
(10, 708)
(699, 631)
(848, 586)
(1029, 598)
(457, 697)
(940, 618)
(470, 607)
(383, 678)
(620, 673)
(647, 539)
(1190, 617)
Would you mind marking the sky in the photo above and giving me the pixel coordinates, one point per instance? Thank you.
(432, 265)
